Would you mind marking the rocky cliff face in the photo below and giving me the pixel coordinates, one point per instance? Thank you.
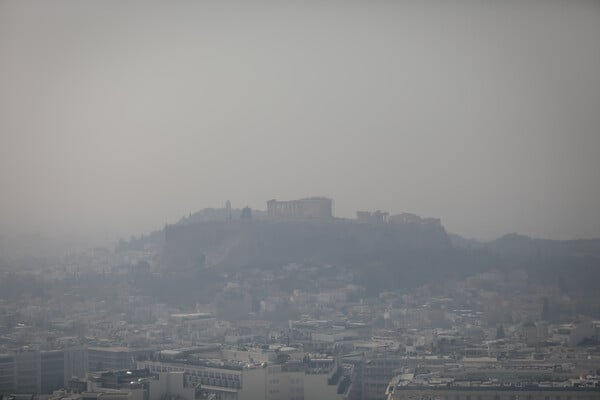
(238, 244)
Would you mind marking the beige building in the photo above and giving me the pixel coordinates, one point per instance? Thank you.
(133, 385)
(170, 384)
(293, 380)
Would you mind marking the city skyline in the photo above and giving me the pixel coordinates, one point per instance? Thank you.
(272, 200)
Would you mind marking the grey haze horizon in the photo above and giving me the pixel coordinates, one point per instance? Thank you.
(119, 117)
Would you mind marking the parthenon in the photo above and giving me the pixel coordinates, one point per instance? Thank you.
(311, 207)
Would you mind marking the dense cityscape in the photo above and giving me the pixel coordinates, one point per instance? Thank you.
(293, 303)
(299, 200)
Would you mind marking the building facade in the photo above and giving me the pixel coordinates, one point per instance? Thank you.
(319, 379)
(492, 393)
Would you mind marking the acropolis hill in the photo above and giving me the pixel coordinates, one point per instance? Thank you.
(298, 231)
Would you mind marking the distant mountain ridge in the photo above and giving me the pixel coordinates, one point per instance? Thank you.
(520, 245)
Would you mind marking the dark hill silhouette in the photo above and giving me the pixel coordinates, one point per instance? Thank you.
(514, 244)
(238, 244)
(381, 256)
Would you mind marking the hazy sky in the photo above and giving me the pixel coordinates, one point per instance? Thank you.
(119, 116)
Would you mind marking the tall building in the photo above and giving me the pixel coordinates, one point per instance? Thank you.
(76, 363)
(28, 372)
(52, 370)
(41, 371)
(7, 373)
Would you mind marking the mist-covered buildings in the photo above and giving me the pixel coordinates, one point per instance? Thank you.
(295, 305)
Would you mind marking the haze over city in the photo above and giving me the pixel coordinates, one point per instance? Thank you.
(119, 117)
(273, 200)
